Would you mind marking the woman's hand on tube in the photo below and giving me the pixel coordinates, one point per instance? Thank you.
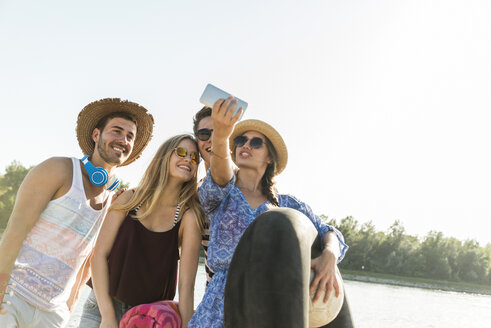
(325, 279)
(223, 117)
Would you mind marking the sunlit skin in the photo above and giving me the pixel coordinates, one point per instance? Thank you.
(248, 157)
(183, 169)
(252, 165)
(115, 143)
(205, 146)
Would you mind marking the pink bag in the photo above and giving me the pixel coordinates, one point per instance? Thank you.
(162, 314)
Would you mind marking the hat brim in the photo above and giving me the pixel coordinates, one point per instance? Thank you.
(90, 116)
(273, 136)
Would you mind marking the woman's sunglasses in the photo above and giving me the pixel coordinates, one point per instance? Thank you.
(254, 143)
(183, 152)
(204, 134)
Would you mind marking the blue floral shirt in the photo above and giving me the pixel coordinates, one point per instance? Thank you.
(230, 215)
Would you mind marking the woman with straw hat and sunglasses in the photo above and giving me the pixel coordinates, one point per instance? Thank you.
(146, 232)
(268, 283)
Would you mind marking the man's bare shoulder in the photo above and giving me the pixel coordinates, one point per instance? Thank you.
(46, 181)
(55, 174)
(60, 167)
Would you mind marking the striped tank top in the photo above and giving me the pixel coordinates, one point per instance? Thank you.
(56, 247)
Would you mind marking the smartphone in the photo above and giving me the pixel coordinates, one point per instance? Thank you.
(212, 94)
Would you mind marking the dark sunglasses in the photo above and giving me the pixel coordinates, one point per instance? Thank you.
(255, 142)
(204, 134)
(183, 152)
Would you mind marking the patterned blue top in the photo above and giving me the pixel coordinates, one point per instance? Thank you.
(230, 215)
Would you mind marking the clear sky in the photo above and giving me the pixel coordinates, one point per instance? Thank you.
(384, 105)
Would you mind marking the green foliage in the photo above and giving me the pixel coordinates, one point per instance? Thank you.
(10, 182)
(395, 252)
(123, 185)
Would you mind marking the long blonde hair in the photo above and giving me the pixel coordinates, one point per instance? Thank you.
(155, 180)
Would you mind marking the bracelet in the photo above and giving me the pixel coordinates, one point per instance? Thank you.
(214, 154)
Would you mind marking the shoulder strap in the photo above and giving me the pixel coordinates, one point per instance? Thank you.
(176, 216)
(77, 174)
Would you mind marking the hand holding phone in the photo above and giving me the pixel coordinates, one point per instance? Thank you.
(211, 94)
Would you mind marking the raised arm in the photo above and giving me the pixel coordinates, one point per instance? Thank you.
(48, 180)
(190, 246)
(100, 270)
(222, 167)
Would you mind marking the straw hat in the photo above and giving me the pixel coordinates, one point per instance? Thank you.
(273, 136)
(320, 313)
(95, 111)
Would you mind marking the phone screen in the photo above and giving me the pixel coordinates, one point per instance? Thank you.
(211, 94)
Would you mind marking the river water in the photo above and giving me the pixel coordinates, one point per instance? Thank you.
(386, 306)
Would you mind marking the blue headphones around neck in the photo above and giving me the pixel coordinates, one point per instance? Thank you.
(98, 176)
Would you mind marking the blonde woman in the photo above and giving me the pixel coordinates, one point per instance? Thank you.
(137, 252)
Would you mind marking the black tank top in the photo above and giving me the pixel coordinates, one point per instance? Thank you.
(143, 264)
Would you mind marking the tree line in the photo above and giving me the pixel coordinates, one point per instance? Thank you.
(395, 252)
(433, 256)
(9, 184)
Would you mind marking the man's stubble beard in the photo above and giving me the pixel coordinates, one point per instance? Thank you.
(114, 160)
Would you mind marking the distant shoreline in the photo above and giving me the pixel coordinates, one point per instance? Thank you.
(380, 278)
(371, 277)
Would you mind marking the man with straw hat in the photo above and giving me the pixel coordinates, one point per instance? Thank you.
(58, 212)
